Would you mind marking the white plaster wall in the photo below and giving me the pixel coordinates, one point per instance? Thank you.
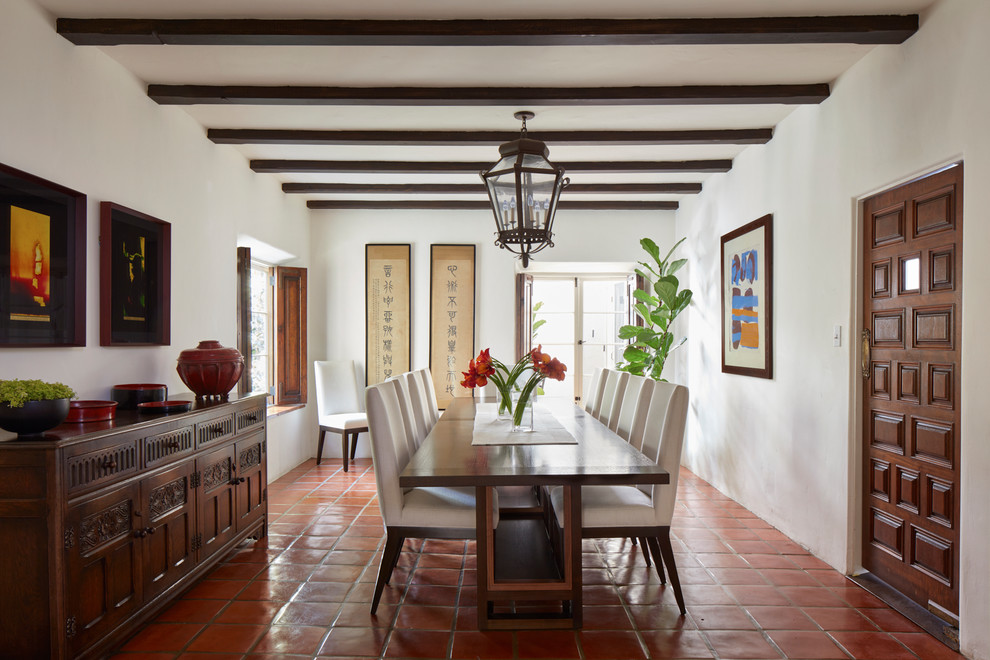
(74, 116)
(337, 275)
(789, 448)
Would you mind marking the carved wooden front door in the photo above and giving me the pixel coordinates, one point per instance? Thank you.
(911, 360)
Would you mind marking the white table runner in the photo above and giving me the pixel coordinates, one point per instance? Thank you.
(490, 430)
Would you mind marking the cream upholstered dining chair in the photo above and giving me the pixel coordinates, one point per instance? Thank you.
(631, 420)
(643, 511)
(424, 512)
(338, 409)
(429, 396)
(594, 397)
(421, 410)
(615, 387)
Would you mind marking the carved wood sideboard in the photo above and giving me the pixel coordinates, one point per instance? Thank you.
(102, 524)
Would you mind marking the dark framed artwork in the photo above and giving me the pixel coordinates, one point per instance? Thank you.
(747, 299)
(388, 301)
(135, 278)
(452, 306)
(42, 262)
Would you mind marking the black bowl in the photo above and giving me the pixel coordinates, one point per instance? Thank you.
(34, 417)
(129, 395)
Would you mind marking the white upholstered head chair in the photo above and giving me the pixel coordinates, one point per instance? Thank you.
(594, 396)
(412, 512)
(642, 511)
(615, 387)
(338, 409)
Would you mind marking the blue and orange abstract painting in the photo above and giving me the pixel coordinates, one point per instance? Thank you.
(745, 304)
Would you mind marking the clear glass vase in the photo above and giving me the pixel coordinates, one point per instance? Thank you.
(525, 420)
(504, 407)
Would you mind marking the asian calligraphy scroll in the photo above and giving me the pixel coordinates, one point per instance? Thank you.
(387, 303)
(451, 318)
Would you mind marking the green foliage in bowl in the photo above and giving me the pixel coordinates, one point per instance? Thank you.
(15, 393)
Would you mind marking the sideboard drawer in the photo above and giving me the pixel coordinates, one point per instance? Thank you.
(164, 447)
(96, 463)
(211, 431)
(250, 419)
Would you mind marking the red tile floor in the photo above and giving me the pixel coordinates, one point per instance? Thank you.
(304, 593)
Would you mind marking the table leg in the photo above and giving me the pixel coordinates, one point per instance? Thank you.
(484, 542)
(572, 528)
(566, 587)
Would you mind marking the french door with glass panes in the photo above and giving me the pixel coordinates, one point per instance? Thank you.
(577, 320)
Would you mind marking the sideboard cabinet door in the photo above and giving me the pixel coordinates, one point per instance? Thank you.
(168, 518)
(251, 481)
(103, 581)
(217, 508)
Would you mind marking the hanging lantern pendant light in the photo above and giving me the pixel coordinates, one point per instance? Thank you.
(524, 188)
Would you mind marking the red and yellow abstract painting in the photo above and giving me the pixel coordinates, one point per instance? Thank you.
(30, 265)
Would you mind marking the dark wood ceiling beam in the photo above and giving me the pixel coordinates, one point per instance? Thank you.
(487, 96)
(458, 138)
(536, 32)
(437, 167)
(478, 188)
(447, 204)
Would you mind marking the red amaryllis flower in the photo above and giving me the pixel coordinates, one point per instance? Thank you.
(484, 363)
(555, 369)
(472, 378)
(540, 359)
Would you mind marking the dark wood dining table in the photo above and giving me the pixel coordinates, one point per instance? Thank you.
(526, 562)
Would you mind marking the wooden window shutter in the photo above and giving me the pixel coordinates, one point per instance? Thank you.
(524, 314)
(290, 335)
(244, 316)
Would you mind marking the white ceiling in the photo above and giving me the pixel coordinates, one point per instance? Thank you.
(445, 67)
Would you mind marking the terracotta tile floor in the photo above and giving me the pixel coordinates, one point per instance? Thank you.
(304, 593)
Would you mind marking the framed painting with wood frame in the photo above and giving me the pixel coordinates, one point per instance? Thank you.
(42, 262)
(747, 299)
(135, 277)
(452, 295)
(388, 296)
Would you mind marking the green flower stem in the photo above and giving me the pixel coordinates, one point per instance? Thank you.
(527, 391)
(505, 379)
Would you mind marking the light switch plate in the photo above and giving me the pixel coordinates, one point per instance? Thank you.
(837, 335)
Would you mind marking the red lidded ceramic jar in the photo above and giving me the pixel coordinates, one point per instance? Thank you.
(210, 370)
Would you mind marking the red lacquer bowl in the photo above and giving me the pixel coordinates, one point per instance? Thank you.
(210, 370)
(91, 411)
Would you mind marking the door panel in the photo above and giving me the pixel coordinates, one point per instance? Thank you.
(912, 301)
(103, 564)
(217, 522)
(251, 481)
(169, 520)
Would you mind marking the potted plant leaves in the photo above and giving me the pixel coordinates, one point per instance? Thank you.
(29, 407)
(657, 307)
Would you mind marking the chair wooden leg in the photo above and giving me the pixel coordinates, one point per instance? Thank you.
(646, 552)
(668, 558)
(654, 548)
(393, 545)
(319, 446)
(396, 562)
(344, 450)
(354, 439)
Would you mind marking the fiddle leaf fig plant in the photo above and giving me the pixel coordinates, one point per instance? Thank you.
(15, 393)
(657, 306)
